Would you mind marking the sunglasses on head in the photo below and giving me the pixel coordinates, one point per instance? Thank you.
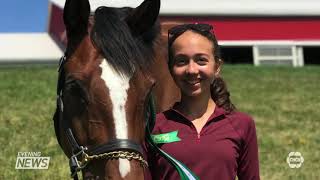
(176, 31)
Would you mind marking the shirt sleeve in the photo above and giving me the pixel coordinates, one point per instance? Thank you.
(248, 168)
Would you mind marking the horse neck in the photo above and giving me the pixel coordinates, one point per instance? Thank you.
(166, 92)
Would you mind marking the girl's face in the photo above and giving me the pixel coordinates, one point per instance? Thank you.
(193, 67)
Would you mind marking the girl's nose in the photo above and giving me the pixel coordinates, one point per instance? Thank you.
(192, 68)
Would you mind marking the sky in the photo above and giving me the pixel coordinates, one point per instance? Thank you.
(23, 15)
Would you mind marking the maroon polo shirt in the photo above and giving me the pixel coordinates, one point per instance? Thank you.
(225, 148)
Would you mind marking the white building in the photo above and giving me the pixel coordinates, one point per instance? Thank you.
(23, 48)
(250, 31)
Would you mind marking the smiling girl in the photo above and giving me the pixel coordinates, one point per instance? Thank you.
(215, 140)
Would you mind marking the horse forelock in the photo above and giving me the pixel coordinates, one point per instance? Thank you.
(123, 51)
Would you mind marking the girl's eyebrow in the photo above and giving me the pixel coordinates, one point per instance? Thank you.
(201, 54)
(197, 54)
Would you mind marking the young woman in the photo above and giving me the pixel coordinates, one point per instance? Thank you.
(213, 139)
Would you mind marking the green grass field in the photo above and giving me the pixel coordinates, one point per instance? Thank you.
(284, 101)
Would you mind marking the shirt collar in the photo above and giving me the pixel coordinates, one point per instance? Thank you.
(218, 114)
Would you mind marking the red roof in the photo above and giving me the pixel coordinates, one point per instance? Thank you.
(260, 28)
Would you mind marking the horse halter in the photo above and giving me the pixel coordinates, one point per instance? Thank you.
(81, 155)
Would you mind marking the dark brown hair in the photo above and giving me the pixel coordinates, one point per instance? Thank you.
(218, 89)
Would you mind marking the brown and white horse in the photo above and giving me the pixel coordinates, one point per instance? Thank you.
(113, 60)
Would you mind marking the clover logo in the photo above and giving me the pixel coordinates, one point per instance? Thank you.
(295, 159)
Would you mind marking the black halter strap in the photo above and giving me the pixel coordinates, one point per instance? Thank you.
(78, 152)
(115, 144)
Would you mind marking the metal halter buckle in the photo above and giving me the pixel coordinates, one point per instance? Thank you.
(78, 161)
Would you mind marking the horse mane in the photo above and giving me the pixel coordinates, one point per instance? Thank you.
(122, 49)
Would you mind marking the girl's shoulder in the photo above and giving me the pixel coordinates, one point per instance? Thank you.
(164, 121)
(242, 123)
(240, 117)
(161, 118)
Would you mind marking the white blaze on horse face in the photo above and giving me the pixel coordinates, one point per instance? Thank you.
(118, 87)
(124, 167)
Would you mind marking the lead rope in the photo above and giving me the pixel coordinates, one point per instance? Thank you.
(184, 172)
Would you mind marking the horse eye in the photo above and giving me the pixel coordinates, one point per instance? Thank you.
(76, 89)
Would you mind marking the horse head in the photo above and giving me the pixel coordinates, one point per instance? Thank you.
(103, 88)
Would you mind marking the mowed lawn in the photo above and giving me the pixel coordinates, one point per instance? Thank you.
(284, 101)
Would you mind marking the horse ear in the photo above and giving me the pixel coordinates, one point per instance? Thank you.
(144, 16)
(75, 17)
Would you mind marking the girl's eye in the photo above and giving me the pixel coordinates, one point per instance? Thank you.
(202, 60)
(180, 61)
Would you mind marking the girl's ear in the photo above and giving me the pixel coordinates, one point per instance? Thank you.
(217, 67)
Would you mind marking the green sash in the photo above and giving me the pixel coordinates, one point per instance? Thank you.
(166, 137)
(184, 172)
